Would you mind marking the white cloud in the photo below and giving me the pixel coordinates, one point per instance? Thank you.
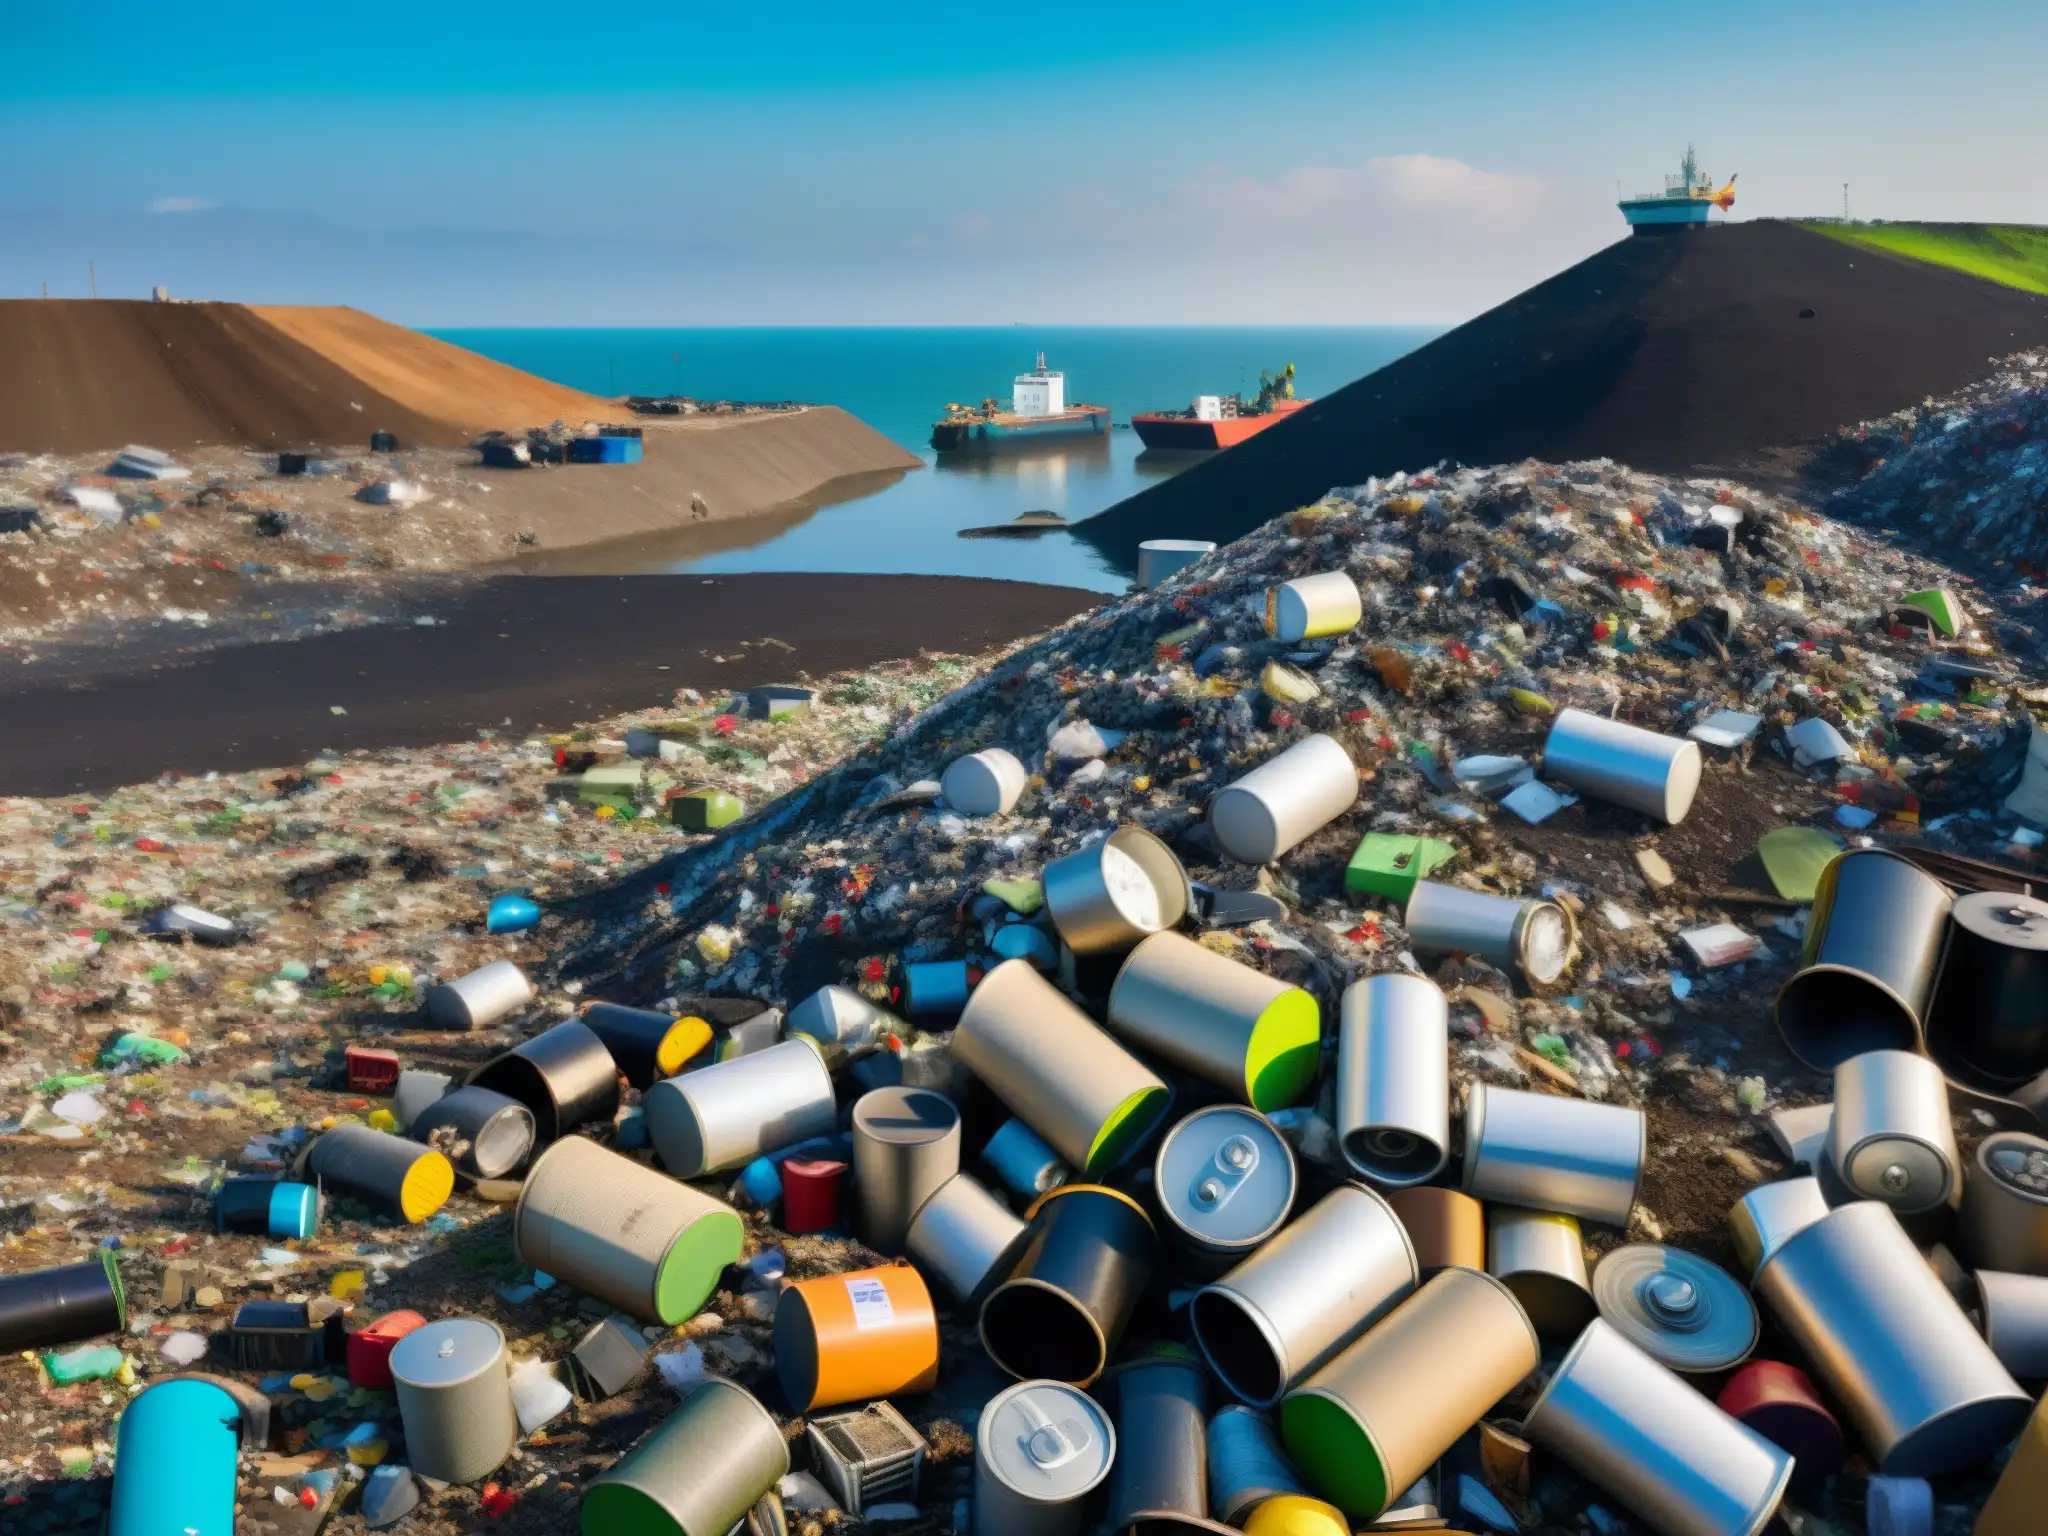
(182, 204)
(1369, 192)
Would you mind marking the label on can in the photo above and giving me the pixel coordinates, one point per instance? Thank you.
(871, 1308)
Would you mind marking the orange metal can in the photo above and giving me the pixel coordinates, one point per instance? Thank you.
(847, 1338)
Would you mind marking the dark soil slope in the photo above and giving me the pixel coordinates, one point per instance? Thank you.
(77, 375)
(1690, 353)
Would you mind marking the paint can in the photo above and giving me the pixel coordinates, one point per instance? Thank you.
(964, 1236)
(1553, 1154)
(369, 1348)
(2014, 1309)
(1986, 1009)
(388, 1173)
(1310, 607)
(455, 1398)
(175, 1455)
(645, 1044)
(1541, 1257)
(1534, 940)
(1109, 895)
(983, 783)
(1287, 1311)
(1781, 1404)
(1246, 1465)
(621, 1232)
(1291, 1516)
(62, 1304)
(1086, 1256)
(482, 997)
(1160, 558)
(1762, 1220)
(810, 1194)
(1921, 1387)
(1393, 1078)
(1868, 961)
(485, 1134)
(415, 1091)
(564, 1075)
(1633, 1429)
(2004, 1221)
(1023, 1163)
(936, 986)
(727, 1114)
(1160, 1483)
(1225, 1181)
(1283, 801)
(1070, 1081)
(697, 1474)
(1219, 1020)
(841, 1016)
(267, 1208)
(1376, 1418)
(1685, 1312)
(2021, 1493)
(1040, 1449)
(1446, 1226)
(906, 1143)
(1891, 1138)
(1623, 764)
(847, 1337)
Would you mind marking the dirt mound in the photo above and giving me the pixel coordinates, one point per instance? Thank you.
(1685, 354)
(432, 377)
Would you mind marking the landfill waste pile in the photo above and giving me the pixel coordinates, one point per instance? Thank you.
(1480, 1006)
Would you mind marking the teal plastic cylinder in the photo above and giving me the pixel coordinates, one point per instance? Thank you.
(174, 1462)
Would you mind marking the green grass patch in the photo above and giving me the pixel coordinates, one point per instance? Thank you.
(2015, 255)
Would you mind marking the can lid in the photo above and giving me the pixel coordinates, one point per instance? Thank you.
(905, 1117)
(1049, 1442)
(2019, 1162)
(448, 1353)
(2015, 922)
(1902, 1171)
(1682, 1310)
(1225, 1177)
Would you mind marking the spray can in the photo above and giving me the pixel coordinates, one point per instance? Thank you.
(964, 1236)
(455, 1397)
(481, 998)
(727, 1114)
(1393, 1078)
(1219, 1020)
(564, 1075)
(1109, 895)
(843, 1338)
(906, 1144)
(984, 783)
(1552, 1154)
(1533, 940)
(1225, 1181)
(1160, 558)
(1086, 1257)
(697, 1474)
(1287, 1310)
(1025, 1165)
(1624, 764)
(1284, 800)
(1541, 1257)
(1042, 1447)
(1446, 1227)
(1310, 607)
(1762, 1220)
(491, 1133)
(2004, 1221)
(1246, 1465)
(63, 1304)
(1631, 1427)
(174, 1461)
(387, 1172)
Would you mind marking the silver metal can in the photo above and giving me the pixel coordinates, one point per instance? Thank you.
(482, 997)
(1041, 1448)
(906, 1144)
(1533, 939)
(1217, 1019)
(1629, 1426)
(1160, 558)
(1246, 1464)
(1393, 1078)
(1289, 1308)
(699, 1472)
(1761, 1221)
(1868, 962)
(1284, 800)
(2004, 1221)
(1553, 1154)
(963, 1236)
(1922, 1388)
(1687, 1313)
(1624, 764)
(1541, 1257)
(1225, 1181)
(455, 1397)
(2015, 1313)
(1891, 1138)
(727, 1114)
(1109, 895)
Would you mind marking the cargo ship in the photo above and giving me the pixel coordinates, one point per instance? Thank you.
(1221, 421)
(1687, 201)
(1038, 409)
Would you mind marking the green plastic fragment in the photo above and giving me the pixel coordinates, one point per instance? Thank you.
(95, 1362)
(1939, 605)
(1020, 896)
(1388, 865)
(1793, 858)
(140, 1047)
(704, 810)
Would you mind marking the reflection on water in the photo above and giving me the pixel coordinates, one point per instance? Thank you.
(1165, 463)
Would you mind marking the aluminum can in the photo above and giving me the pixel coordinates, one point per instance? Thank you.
(963, 1237)
(1994, 972)
(1041, 1448)
(2004, 1220)
(727, 1114)
(1447, 1227)
(1553, 1154)
(1891, 1138)
(1541, 1257)
(482, 997)
(1161, 1479)
(906, 1143)
(645, 1044)
(1534, 940)
(1086, 1257)
(1393, 1078)
(455, 1396)
(1246, 1464)
(564, 1075)
(1225, 1181)
(1310, 607)
(1685, 1312)
(1106, 897)
(1761, 1221)
(841, 1016)
(697, 1474)
(1217, 1019)
(1623, 764)
(1284, 800)
(2015, 1313)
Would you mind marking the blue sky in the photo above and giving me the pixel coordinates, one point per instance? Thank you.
(802, 163)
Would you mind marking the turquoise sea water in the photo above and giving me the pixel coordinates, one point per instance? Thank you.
(899, 381)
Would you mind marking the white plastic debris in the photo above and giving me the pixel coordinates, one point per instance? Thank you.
(537, 1394)
(683, 1369)
(1537, 802)
(1081, 739)
(1719, 944)
(1814, 740)
(1726, 728)
(392, 493)
(183, 1347)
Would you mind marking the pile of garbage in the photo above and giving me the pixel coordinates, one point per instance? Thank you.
(1477, 1006)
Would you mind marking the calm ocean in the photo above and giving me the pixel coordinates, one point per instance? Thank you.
(899, 381)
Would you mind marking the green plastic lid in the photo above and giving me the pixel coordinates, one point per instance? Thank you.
(1280, 1065)
(1337, 1453)
(1128, 1124)
(690, 1269)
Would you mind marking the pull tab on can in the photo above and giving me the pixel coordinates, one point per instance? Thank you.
(1235, 1159)
(1051, 1444)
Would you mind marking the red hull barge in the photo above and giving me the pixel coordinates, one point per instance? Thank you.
(1180, 430)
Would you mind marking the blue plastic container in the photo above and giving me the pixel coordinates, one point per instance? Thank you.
(512, 914)
(604, 450)
(174, 1462)
(265, 1207)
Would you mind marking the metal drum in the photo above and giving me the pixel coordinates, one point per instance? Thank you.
(484, 1133)
(1685, 1312)
(1446, 1226)
(1987, 1008)
(389, 1173)
(1217, 1019)
(906, 1144)
(1025, 1165)
(1288, 1309)
(455, 1397)
(1532, 939)
(175, 1455)
(1284, 800)
(1623, 764)
(1762, 1220)
(620, 1231)
(1393, 1078)
(1310, 607)
(1160, 1483)
(1629, 1426)
(1377, 1417)
(1780, 1403)
(2015, 1313)
(1541, 1257)
(1868, 962)
(1072, 1083)
(1086, 1257)
(2004, 1221)
(1040, 1450)
(1923, 1390)
(1225, 1181)
(1160, 558)
(1891, 1138)
(1553, 1154)
(727, 1114)
(482, 997)
(1246, 1464)
(849, 1337)
(697, 1474)
(963, 1237)
(1111, 894)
